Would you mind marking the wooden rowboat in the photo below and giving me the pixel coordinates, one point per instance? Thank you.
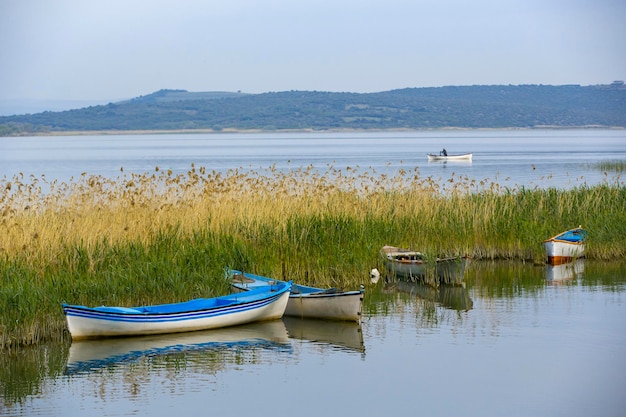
(308, 302)
(414, 266)
(266, 303)
(566, 246)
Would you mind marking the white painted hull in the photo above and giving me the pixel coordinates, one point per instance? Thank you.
(461, 157)
(309, 302)
(87, 323)
(333, 306)
(565, 246)
(559, 251)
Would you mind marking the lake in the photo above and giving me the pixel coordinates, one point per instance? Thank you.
(515, 340)
(543, 158)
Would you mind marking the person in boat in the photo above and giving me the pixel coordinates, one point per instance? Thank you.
(444, 152)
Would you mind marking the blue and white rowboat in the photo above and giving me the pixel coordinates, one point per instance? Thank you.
(266, 303)
(566, 246)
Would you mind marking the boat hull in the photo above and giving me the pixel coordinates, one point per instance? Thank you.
(338, 306)
(460, 157)
(309, 302)
(412, 266)
(446, 271)
(561, 252)
(85, 323)
(566, 246)
(411, 270)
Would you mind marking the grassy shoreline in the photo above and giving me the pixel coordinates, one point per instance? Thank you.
(161, 237)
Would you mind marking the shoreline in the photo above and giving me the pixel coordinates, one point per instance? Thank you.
(113, 132)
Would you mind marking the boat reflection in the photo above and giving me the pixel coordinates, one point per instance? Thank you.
(454, 297)
(89, 355)
(346, 335)
(564, 272)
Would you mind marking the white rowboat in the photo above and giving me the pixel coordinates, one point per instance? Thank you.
(457, 157)
(414, 266)
(309, 302)
(565, 246)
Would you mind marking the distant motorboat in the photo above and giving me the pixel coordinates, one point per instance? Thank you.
(450, 157)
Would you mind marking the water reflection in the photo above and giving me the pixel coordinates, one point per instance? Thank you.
(504, 279)
(89, 355)
(23, 370)
(506, 308)
(454, 297)
(558, 274)
(339, 334)
(451, 162)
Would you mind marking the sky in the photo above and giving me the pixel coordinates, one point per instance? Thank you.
(112, 50)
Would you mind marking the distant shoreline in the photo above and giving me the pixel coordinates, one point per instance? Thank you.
(256, 131)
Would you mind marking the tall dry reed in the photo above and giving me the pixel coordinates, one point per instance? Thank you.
(163, 237)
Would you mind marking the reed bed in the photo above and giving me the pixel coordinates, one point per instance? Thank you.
(611, 166)
(166, 237)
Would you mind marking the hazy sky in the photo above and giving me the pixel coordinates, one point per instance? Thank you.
(116, 49)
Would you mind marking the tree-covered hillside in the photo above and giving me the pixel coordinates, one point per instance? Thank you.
(497, 106)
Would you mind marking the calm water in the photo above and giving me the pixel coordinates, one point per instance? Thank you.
(517, 340)
(561, 158)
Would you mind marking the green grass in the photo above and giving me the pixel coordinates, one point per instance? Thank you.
(163, 238)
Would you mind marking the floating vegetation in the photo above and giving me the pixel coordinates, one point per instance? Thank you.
(166, 237)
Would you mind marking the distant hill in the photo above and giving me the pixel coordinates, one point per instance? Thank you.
(496, 106)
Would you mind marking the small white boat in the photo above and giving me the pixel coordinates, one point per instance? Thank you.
(566, 246)
(265, 303)
(450, 157)
(309, 302)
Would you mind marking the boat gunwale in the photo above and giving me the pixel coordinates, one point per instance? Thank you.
(318, 292)
(583, 234)
(138, 315)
